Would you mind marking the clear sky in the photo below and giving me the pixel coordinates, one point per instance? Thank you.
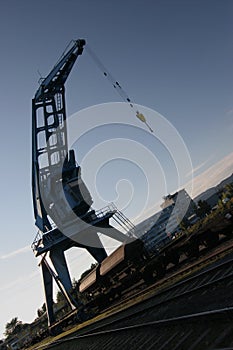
(174, 57)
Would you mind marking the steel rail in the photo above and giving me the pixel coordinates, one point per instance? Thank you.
(225, 315)
(128, 314)
(119, 315)
(182, 283)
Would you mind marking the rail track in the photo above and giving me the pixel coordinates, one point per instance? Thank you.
(174, 275)
(127, 283)
(170, 319)
(138, 292)
(198, 331)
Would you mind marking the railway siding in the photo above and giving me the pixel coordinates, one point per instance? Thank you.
(170, 319)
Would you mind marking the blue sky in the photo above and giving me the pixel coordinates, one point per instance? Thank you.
(174, 57)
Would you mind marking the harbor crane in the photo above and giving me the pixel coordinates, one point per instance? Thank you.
(62, 203)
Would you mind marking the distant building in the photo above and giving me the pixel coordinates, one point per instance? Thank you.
(175, 208)
(181, 207)
(146, 225)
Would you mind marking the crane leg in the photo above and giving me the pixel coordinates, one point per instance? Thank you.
(48, 289)
(92, 243)
(59, 262)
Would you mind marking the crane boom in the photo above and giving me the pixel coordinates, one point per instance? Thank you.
(57, 77)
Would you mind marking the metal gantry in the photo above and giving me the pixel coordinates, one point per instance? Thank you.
(62, 202)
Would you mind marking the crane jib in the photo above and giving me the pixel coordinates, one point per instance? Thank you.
(60, 72)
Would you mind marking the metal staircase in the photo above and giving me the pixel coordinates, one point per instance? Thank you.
(120, 219)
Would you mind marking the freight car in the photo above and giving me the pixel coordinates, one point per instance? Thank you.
(131, 264)
(118, 271)
(207, 236)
